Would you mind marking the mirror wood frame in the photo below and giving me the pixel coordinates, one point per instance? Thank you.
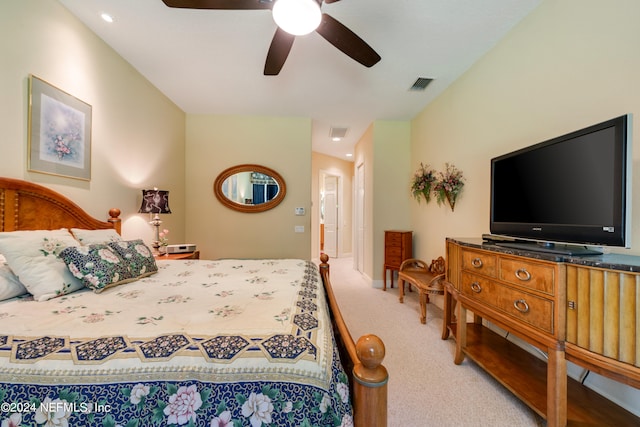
(217, 188)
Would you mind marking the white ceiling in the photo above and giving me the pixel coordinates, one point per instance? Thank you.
(211, 61)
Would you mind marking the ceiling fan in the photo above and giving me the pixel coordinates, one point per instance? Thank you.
(329, 28)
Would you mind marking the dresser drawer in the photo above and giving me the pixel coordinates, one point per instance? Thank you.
(479, 262)
(393, 239)
(393, 252)
(531, 275)
(525, 307)
(393, 256)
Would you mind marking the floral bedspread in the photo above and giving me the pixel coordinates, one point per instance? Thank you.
(200, 343)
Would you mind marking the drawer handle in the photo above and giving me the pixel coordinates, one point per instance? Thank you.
(521, 305)
(475, 287)
(476, 262)
(523, 274)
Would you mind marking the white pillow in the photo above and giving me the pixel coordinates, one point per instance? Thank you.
(10, 286)
(34, 258)
(94, 237)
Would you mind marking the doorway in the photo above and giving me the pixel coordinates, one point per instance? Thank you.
(329, 215)
(359, 219)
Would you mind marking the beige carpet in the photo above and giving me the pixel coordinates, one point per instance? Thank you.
(425, 387)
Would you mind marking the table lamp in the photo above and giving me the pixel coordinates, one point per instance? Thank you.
(155, 202)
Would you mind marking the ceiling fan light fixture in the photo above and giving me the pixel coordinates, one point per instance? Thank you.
(297, 17)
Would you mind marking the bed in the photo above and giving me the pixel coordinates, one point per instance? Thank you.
(197, 342)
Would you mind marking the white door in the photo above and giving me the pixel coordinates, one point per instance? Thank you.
(331, 215)
(359, 218)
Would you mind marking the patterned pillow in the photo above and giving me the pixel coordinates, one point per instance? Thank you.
(10, 286)
(33, 256)
(98, 266)
(138, 255)
(93, 237)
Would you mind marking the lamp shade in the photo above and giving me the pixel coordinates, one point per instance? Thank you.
(155, 201)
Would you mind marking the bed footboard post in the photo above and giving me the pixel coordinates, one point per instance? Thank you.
(362, 362)
(370, 383)
(324, 266)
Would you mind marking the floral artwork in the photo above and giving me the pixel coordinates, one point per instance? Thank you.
(59, 132)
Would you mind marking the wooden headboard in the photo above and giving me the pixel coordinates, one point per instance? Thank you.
(28, 206)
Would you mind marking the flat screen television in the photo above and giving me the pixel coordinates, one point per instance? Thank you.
(566, 193)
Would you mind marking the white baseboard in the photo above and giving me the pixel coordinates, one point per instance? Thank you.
(378, 284)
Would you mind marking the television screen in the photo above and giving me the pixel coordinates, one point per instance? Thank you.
(570, 189)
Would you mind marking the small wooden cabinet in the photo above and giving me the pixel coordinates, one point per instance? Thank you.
(398, 246)
(564, 307)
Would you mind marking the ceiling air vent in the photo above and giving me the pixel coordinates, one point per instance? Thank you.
(337, 134)
(421, 83)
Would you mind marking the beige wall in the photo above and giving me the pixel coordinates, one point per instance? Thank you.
(363, 157)
(215, 143)
(323, 164)
(138, 140)
(137, 133)
(570, 64)
(384, 152)
(391, 195)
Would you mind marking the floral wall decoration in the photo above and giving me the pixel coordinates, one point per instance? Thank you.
(423, 182)
(446, 186)
(449, 185)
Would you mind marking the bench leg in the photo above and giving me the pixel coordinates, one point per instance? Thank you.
(401, 288)
(424, 299)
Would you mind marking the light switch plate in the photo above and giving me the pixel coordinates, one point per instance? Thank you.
(299, 228)
(299, 211)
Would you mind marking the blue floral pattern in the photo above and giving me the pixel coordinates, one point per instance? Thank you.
(98, 266)
(161, 351)
(186, 403)
(140, 258)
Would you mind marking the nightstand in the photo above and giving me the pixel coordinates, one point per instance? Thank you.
(186, 255)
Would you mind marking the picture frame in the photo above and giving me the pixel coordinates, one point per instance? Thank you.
(59, 134)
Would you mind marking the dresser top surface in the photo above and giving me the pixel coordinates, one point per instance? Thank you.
(607, 261)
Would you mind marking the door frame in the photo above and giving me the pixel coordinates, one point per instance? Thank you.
(339, 202)
(359, 218)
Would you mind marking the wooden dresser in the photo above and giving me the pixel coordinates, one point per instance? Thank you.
(398, 246)
(581, 309)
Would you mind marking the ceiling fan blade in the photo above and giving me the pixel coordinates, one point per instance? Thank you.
(278, 52)
(331, 1)
(220, 4)
(347, 41)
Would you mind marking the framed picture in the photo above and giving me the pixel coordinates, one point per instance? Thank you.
(59, 132)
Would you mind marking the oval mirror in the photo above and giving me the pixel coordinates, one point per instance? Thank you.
(249, 188)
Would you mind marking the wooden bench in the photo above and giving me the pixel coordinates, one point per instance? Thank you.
(428, 280)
